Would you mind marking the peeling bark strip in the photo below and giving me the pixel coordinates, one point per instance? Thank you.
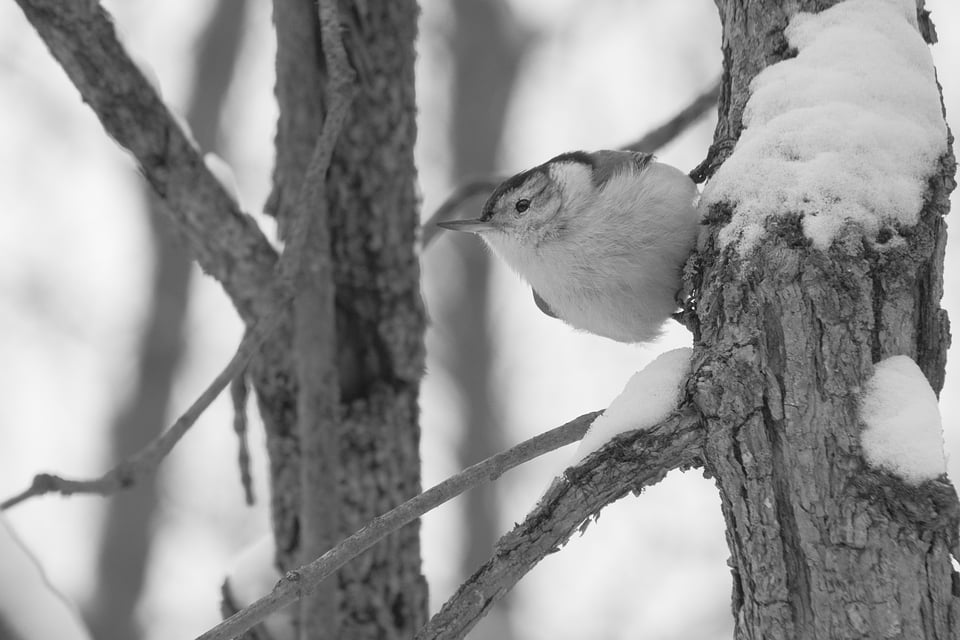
(822, 546)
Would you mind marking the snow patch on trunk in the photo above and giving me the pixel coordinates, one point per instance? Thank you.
(847, 132)
(902, 430)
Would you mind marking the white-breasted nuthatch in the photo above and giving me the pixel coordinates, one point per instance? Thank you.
(601, 237)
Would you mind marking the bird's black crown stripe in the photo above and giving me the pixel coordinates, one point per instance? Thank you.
(505, 187)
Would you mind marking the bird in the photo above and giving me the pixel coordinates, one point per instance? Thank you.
(601, 237)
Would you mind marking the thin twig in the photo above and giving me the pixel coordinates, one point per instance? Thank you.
(302, 580)
(81, 36)
(238, 396)
(626, 464)
(663, 135)
(145, 462)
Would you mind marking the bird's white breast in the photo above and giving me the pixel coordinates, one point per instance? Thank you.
(615, 267)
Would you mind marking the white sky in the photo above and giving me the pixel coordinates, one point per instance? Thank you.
(29, 607)
(74, 266)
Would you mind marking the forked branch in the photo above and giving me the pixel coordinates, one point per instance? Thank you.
(176, 171)
(629, 463)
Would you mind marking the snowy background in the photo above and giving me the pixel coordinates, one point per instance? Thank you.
(75, 266)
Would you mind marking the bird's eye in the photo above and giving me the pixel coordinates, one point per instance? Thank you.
(522, 205)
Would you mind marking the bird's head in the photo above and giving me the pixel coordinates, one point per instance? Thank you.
(534, 205)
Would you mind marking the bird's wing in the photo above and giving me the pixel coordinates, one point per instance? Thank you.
(543, 306)
(607, 163)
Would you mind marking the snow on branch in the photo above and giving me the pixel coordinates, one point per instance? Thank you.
(627, 464)
(902, 429)
(225, 242)
(661, 438)
(650, 396)
(846, 132)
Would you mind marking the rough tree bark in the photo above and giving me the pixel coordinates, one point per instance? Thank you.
(822, 547)
(373, 218)
(379, 320)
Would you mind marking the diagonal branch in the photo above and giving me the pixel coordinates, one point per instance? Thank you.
(225, 242)
(145, 462)
(663, 135)
(626, 464)
(273, 296)
(302, 580)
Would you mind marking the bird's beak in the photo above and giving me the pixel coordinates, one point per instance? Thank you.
(470, 226)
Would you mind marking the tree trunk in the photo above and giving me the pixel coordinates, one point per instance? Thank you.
(379, 318)
(822, 546)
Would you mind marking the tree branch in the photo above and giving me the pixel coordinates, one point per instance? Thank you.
(295, 583)
(663, 135)
(626, 464)
(145, 462)
(315, 340)
(274, 297)
(225, 242)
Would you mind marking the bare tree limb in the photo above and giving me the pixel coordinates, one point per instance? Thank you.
(663, 135)
(315, 340)
(274, 296)
(145, 462)
(178, 174)
(225, 242)
(295, 583)
(626, 464)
